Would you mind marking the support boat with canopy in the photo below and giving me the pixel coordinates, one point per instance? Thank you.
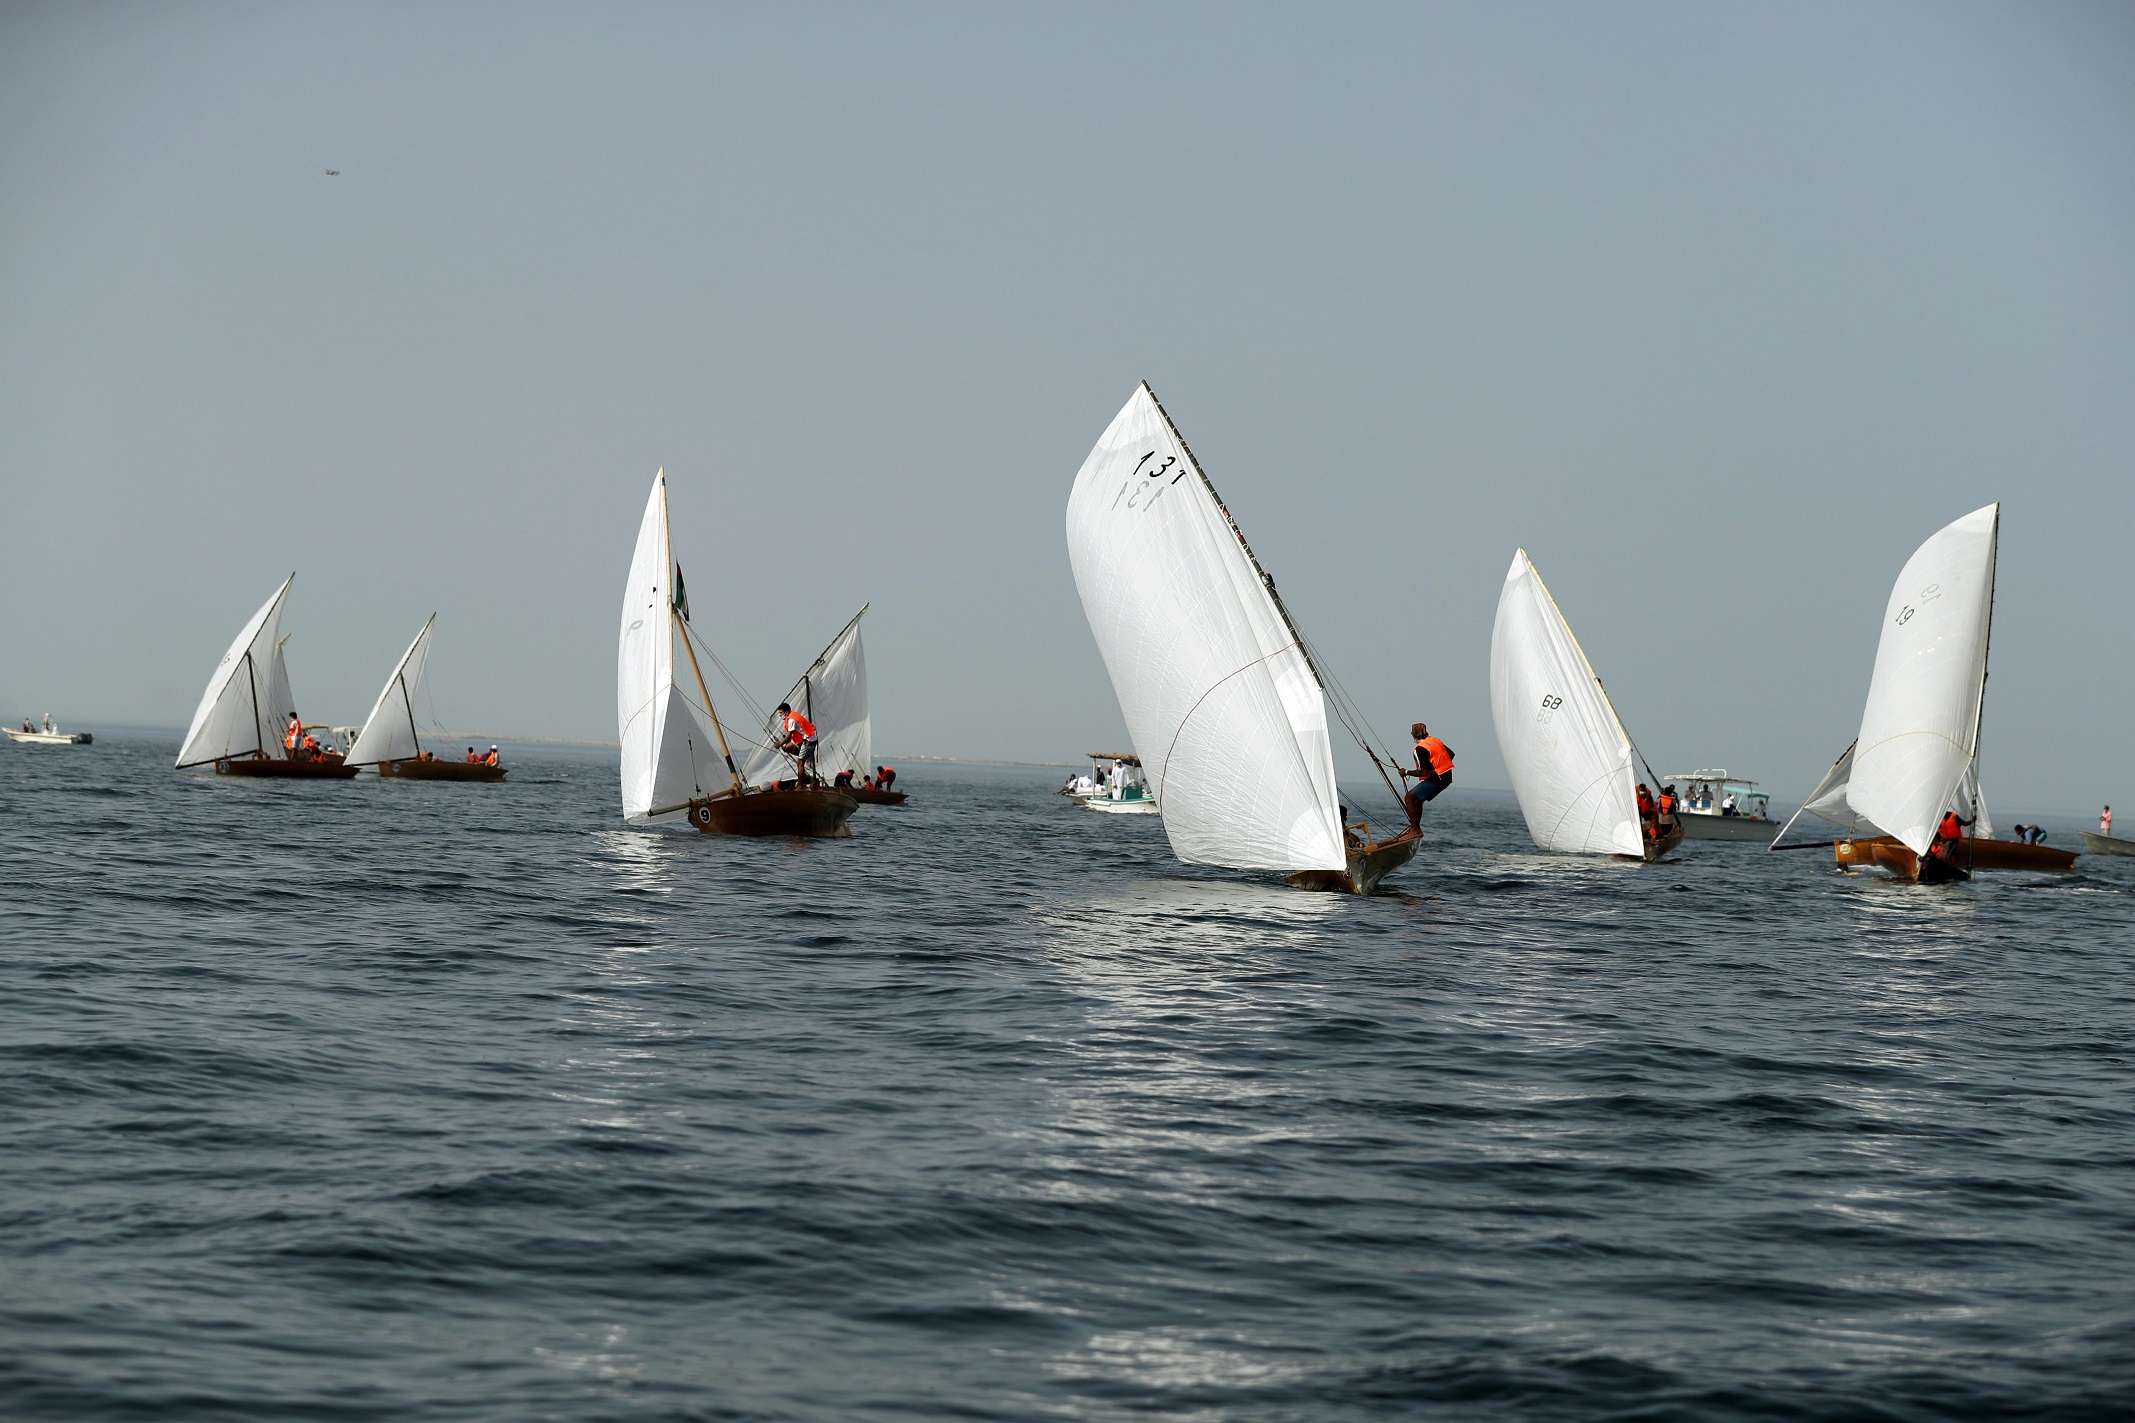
(1224, 700)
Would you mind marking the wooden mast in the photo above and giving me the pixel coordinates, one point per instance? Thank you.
(667, 552)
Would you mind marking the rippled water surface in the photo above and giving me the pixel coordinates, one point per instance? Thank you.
(383, 1101)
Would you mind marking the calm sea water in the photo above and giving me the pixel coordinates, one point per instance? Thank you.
(380, 1101)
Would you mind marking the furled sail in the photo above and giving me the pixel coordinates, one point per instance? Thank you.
(1573, 765)
(389, 732)
(667, 757)
(1220, 698)
(1918, 750)
(832, 693)
(247, 698)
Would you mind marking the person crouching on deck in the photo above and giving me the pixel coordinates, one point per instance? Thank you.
(797, 739)
(1433, 772)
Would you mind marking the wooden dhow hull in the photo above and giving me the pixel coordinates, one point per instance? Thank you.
(1663, 845)
(2106, 844)
(325, 768)
(868, 796)
(441, 771)
(1888, 853)
(1368, 864)
(809, 811)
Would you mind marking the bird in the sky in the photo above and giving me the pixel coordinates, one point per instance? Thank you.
(333, 172)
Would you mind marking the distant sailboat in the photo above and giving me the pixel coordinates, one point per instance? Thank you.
(389, 739)
(1574, 767)
(670, 768)
(239, 725)
(1917, 754)
(832, 694)
(1224, 702)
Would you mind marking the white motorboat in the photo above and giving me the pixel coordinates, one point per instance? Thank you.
(1115, 785)
(1717, 806)
(46, 733)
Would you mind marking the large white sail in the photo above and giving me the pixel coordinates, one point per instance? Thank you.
(1573, 765)
(832, 693)
(1920, 729)
(389, 731)
(667, 756)
(242, 709)
(1219, 696)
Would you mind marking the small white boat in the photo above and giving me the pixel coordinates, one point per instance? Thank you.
(46, 733)
(1115, 785)
(1717, 806)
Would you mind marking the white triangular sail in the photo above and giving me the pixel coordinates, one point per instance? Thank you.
(1918, 750)
(389, 732)
(667, 757)
(247, 699)
(1573, 766)
(832, 693)
(1828, 802)
(1219, 696)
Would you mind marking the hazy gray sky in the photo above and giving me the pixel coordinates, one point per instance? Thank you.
(1718, 310)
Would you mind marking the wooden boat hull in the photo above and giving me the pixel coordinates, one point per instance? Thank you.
(867, 796)
(1698, 826)
(326, 768)
(2106, 844)
(1888, 853)
(810, 811)
(441, 771)
(48, 738)
(1663, 847)
(1368, 864)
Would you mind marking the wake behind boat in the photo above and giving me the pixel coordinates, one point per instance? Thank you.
(389, 739)
(1574, 767)
(668, 768)
(46, 733)
(1901, 789)
(1221, 694)
(246, 724)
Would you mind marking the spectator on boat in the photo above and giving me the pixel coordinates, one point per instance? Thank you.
(492, 758)
(2105, 821)
(1433, 772)
(1727, 806)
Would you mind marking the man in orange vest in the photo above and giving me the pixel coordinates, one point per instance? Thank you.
(797, 735)
(885, 776)
(294, 734)
(491, 758)
(1433, 772)
(471, 757)
(1947, 834)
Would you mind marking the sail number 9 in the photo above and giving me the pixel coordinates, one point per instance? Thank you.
(1143, 487)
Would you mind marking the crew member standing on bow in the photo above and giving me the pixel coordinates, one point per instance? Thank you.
(797, 739)
(1947, 834)
(1433, 772)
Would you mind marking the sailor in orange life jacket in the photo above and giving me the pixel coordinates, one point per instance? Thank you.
(1645, 810)
(1947, 834)
(797, 738)
(843, 779)
(1433, 772)
(491, 758)
(885, 776)
(471, 757)
(311, 747)
(1667, 803)
(294, 734)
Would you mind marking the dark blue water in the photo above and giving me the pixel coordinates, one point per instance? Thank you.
(382, 1101)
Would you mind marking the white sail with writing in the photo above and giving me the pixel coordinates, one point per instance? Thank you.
(832, 694)
(389, 731)
(667, 758)
(1573, 766)
(1920, 728)
(1220, 698)
(241, 711)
